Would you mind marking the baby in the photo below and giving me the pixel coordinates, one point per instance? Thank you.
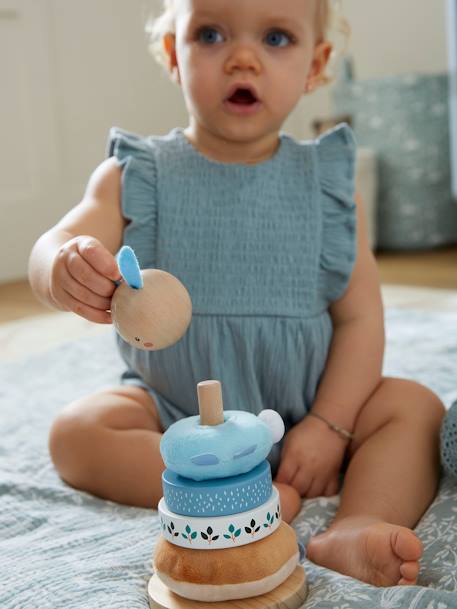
(268, 237)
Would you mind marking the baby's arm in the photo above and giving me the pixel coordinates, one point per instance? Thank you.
(72, 266)
(312, 452)
(354, 365)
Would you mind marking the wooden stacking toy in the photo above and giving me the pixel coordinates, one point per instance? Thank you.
(151, 309)
(222, 538)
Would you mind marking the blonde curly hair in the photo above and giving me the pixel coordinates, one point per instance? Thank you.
(331, 25)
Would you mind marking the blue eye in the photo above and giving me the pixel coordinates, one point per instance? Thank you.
(205, 459)
(245, 452)
(207, 35)
(275, 38)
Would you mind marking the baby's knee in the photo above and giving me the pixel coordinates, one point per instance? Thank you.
(420, 404)
(69, 441)
(431, 408)
(290, 501)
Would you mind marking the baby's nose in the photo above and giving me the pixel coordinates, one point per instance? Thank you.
(242, 58)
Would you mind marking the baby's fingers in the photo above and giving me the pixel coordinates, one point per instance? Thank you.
(286, 471)
(98, 257)
(86, 275)
(80, 293)
(82, 309)
(316, 488)
(302, 481)
(332, 488)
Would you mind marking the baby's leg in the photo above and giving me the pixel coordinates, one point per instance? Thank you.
(290, 501)
(108, 444)
(391, 480)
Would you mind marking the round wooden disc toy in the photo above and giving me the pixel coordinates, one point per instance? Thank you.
(151, 309)
(291, 594)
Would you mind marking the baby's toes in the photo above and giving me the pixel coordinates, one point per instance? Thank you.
(409, 572)
(406, 582)
(406, 545)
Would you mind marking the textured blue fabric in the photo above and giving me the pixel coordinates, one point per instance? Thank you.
(263, 250)
(449, 441)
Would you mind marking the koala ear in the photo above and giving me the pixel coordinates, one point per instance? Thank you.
(274, 421)
(129, 267)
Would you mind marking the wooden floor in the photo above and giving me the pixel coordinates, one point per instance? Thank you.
(435, 269)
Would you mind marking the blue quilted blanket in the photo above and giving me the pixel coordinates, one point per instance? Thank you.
(60, 548)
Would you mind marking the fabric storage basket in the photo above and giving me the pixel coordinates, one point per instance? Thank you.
(405, 119)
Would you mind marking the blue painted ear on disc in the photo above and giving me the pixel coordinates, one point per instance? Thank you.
(129, 267)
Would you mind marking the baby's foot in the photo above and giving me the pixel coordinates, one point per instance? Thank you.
(370, 550)
(290, 501)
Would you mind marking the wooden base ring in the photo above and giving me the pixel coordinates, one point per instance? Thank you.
(291, 594)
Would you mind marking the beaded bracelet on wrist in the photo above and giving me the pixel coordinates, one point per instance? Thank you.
(343, 433)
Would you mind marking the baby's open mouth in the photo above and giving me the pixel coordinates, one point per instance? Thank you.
(243, 96)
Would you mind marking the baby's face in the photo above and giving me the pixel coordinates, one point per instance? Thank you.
(267, 44)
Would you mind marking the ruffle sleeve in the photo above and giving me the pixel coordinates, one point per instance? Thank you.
(137, 157)
(336, 156)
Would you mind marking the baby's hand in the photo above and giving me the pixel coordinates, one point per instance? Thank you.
(82, 278)
(311, 459)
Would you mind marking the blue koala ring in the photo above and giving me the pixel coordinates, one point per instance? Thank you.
(204, 452)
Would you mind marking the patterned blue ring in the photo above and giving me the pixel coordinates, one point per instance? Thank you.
(220, 496)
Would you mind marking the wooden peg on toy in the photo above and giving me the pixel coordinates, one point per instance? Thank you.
(210, 403)
(151, 309)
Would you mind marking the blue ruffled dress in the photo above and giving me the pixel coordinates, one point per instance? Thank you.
(263, 250)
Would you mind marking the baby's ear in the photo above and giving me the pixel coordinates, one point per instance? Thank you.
(321, 56)
(129, 267)
(169, 46)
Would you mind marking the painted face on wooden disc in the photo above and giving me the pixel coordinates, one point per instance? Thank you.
(154, 316)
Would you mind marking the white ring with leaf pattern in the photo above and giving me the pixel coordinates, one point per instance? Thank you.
(215, 533)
